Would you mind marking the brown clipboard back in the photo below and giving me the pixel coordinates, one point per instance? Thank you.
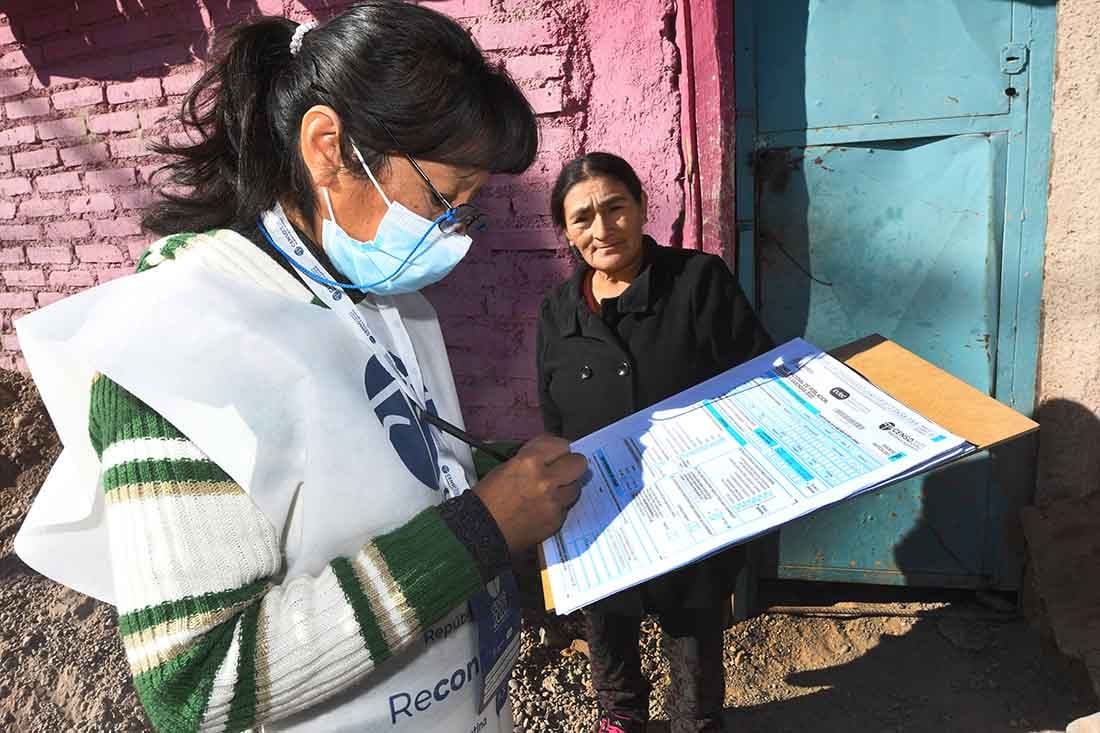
(923, 387)
(942, 398)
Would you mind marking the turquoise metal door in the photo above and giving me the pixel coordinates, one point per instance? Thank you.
(891, 178)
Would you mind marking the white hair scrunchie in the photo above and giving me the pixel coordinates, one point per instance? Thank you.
(300, 33)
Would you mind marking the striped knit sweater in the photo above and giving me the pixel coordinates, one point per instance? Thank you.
(215, 639)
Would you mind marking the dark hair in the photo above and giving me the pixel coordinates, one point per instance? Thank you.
(586, 167)
(379, 64)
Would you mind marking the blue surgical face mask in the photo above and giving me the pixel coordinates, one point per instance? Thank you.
(408, 252)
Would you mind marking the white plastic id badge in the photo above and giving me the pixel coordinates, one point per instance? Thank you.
(496, 612)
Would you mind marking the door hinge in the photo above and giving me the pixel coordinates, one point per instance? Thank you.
(1013, 58)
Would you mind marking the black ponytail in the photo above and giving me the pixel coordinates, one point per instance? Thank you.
(380, 64)
(235, 166)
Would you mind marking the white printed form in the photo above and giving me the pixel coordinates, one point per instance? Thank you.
(758, 446)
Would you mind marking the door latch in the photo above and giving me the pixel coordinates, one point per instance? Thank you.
(1013, 58)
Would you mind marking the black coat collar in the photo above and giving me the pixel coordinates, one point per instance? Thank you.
(571, 305)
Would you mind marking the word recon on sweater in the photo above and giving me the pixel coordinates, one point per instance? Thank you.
(428, 696)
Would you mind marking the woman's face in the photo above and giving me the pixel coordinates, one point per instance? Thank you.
(604, 222)
(359, 208)
(357, 205)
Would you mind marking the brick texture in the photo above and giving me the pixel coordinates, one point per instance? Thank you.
(87, 91)
(14, 186)
(109, 178)
(130, 147)
(33, 107)
(121, 227)
(21, 58)
(80, 97)
(11, 86)
(17, 135)
(69, 181)
(68, 229)
(114, 122)
(97, 202)
(81, 154)
(16, 300)
(39, 158)
(49, 255)
(58, 129)
(180, 83)
(135, 91)
(12, 256)
(150, 118)
(19, 232)
(71, 278)
(32, 278)
(34, 208)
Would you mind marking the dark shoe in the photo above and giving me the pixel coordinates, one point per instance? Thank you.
(612, 723)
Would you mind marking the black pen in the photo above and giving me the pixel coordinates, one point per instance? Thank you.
(462, 435)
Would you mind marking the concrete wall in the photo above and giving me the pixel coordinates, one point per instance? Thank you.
(1069, 374)
(85, 87)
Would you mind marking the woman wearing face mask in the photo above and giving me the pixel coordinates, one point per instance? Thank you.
(635, 324)
(260, 468)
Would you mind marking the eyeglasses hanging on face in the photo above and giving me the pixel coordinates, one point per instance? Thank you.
(463, 218)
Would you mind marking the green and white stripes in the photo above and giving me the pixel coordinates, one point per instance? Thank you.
(165, 249)
(213, 641)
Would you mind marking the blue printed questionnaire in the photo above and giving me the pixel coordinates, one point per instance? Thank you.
(760, 445)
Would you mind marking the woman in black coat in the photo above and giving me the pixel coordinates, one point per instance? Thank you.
(637, 323)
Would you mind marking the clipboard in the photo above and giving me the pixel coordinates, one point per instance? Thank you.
(921, 386)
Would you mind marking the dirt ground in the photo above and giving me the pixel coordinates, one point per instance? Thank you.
(61, 662)
(882, 663)
(876, 665)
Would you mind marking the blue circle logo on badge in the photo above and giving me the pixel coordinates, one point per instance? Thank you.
(445, 468)
(336, 295)
(299, 251)
(411, 438)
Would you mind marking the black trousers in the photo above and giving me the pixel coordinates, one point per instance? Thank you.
(693, 644)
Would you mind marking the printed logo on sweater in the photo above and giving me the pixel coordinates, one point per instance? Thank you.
(409, 703)
(411, 438)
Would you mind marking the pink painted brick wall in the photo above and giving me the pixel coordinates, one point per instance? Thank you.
(85, 89)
